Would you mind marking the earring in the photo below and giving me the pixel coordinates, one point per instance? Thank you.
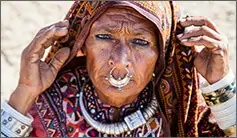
(153, 78)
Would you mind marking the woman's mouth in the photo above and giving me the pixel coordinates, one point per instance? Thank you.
(119, 83)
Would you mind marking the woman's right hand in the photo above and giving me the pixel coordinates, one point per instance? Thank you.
(36, 75)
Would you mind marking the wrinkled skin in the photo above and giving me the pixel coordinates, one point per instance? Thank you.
(121, 51)
(211, 61)
(116, 40)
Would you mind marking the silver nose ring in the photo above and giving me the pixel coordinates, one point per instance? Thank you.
(120, 82)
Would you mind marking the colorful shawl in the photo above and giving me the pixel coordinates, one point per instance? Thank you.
(182, 107)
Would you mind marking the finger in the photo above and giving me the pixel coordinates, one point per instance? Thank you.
(201, 41)
(46, 35)
(51, 34)
(200, 31)
(41, 52)
(61, 24)
(64, 23)
(59, 59)
(64, 39)
(198, 21)
(47, 38)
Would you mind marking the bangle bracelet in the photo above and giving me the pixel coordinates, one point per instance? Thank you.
(15, 114)
(230, 130)
(224, 111)
(226, 105)
(13, 123)
(221, 95)
(230, 77)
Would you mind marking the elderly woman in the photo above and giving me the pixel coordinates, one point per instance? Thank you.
(124, 69)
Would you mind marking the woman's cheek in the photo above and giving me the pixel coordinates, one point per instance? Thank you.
(146, 61)
(100, 54)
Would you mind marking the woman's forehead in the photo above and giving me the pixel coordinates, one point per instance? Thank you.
(114, 16)
(124, 10)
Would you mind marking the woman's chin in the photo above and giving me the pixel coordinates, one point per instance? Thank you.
(112, 94)
(108, 88)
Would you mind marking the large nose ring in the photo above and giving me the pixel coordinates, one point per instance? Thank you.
(120, 82)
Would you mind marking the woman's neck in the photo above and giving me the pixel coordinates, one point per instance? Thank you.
(103, 111)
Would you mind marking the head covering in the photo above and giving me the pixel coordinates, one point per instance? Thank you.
(177, 84)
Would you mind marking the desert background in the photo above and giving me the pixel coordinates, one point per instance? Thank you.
(21, 20)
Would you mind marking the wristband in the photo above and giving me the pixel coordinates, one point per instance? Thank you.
(13, 123)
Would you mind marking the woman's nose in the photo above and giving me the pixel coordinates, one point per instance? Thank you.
(121, 68)
(119, 64)
(120, 59)
(120, 56)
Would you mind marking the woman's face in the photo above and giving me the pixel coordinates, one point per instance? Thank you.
(121, 38)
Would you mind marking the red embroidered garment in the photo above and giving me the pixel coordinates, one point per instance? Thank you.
(69, 85)
(182, 109)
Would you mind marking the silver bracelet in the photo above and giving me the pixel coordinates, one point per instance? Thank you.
(221, 95)
(13, 123)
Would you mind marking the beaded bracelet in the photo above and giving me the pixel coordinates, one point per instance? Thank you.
(221, 95)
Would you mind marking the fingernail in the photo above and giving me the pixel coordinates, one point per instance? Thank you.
(64, 28)
(180, 35)
(184, 40)
(65, 21)
(182, 20)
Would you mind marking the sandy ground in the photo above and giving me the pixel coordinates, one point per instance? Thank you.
(21, 21)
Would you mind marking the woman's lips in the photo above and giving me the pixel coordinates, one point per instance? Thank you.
(128, 86)
(107, 83)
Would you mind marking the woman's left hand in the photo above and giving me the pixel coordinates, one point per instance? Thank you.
(212, 61)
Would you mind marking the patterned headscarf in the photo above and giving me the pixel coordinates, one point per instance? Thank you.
(177, 84)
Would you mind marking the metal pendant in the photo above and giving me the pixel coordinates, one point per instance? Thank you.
(135, 120)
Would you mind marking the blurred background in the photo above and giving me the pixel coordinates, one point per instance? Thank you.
(21, 20)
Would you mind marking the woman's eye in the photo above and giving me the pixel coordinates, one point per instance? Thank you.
(104, 36)
(140, 42)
